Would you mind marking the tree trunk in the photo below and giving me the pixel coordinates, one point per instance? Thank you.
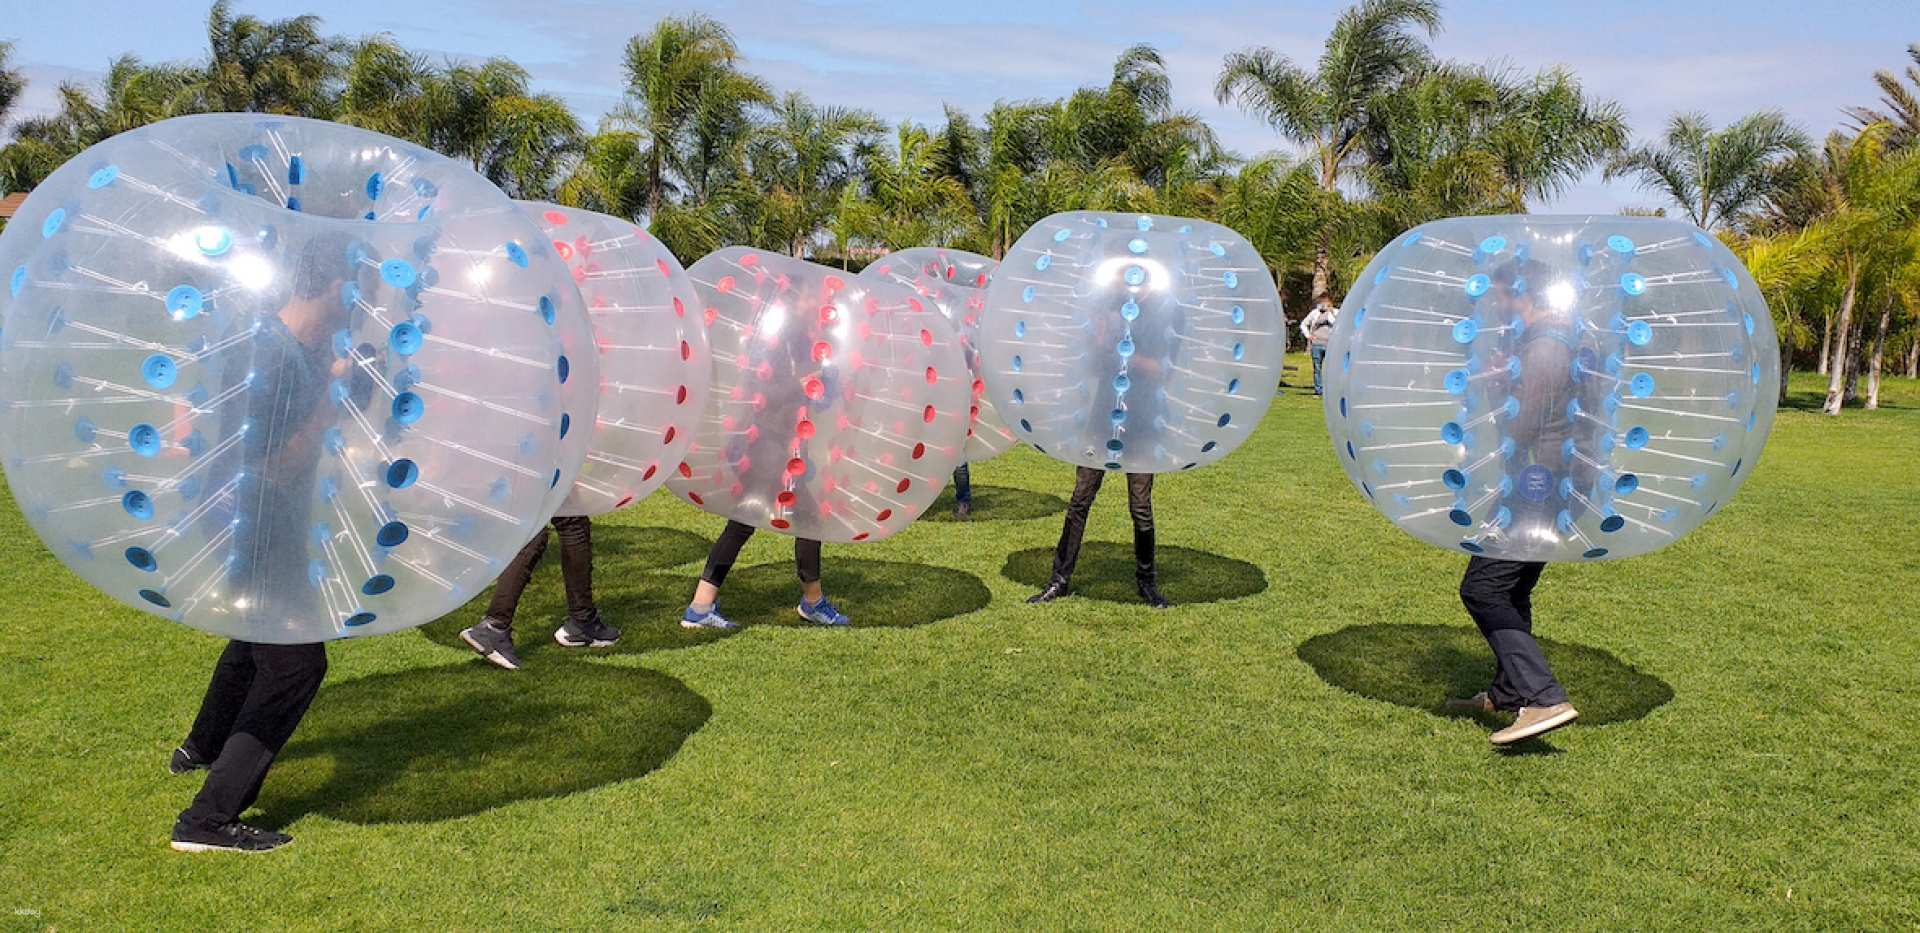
(1836, 382)
(1323, 246)
(1826, 344)
(1879, 353)
(1854, 348)
(1913, 357)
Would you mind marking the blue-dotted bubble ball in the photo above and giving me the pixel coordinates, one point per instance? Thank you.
(280, 379)
(1544, 388)
(839, 404)
(955, 283)
(1132, 342)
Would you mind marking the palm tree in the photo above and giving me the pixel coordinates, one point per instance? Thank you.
(1374, 47)
(1901, 103)
(671, 73)
(908, 200)
(283, 66)
(133, 94)
(387, 89)
(12, 82)
(1719, 177)
(805, 153)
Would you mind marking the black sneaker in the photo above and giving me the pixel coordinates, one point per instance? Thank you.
(233, 837)
(185, 760)
(595, 634)
(1151, 593)
(492, 641)
(963, 512)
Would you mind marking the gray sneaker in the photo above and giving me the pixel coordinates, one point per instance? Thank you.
(711, 620)
(595, 634)
(493, 641)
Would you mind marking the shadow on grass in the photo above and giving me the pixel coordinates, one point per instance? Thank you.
(446, 742)
(874, 593)
(645, 607)
(1105, 572)
(998, 504)
(1420, 666)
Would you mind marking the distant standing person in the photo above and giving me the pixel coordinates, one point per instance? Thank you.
(1317, 327)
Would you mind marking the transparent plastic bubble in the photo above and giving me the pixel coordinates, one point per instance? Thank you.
(839, 404)
(279, 379)
(1132, 342)
(654, 364)
(955, 281)
(1552, 388)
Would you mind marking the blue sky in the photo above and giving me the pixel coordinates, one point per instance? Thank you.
(903, 60)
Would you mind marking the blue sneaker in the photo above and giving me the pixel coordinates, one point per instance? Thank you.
(711, 620)
(823, 613)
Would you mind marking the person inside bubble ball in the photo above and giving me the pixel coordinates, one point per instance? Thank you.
(1498, 593)
(492, 637)
(259, 692)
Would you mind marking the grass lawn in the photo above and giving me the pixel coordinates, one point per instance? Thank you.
(1267, 753)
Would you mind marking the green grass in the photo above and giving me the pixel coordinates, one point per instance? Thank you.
(1265, 754)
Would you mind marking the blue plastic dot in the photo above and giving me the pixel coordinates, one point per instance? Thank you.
(1232, 279)
(402, 473)
(1026, 295)
(138, 504)
(1454, 480)
(1130, 310)
(1041, 264)
(1224, 418)
(555, 481)
(391, 534)
(1477, 285)
(375, 184)
(1115, 445)
(1239, 315)
(51, 225)
(1633, 284)
(1062, 235)
(144, 439)
(1020, 330)
(1350, 454)
(562, 368)
(1457, 381)
(359, 619)
(1620, 244)
(1233, 385)
(1121, 383)
(1732, 281)
(1452, 432)
(1024, 426)
(1641, 385)
(516, 254)
(1143, 223)
(1493, 244)
(566, 424)
(1472, 548)
(1239, 350)
(1019, 397)
(157, 598)
(407, 408)
(296, 170)
(142, 559)
(377, 584)
(1208, 447)
(1343, 407)
(1460, 517)
(1124, 347)
(104, 176)
(159, 371)
(1465, 331)
(1639, 333)
(1135, 275)
(18, 281)
(398, 273)
(1015, 362)
(404, 338)
(1137, 246)
(546, 309)
(1218, 251)
(1626, 484)
(1594, 553)
(1612, 523)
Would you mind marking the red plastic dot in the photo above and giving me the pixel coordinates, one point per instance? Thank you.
(679, 308)
(804, 429)
(651, 469)
(686, 471)
(579, 274)
(671, 433)
(913, 304)
(786, 499)
(978, 387)
(926, 338)
(680, 396)
(686, 350)
(919, 450)
(796, 466)
(981, 280)
(927, 415)
(827, 314)
(749, 260)
(834, 283)
(711, 314)
(661, 264)
(584, 246)
(932, 376)
(565, 251)
(814, 387)
(884, 515)
(862, 536)
(555, 218)
(623, 503)
(725, 285)
(694, 498)
(822, 350)
(904, 484)
(781, 524)
(951, 272)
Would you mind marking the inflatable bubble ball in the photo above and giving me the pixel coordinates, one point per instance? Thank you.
(1132, 342)
(839, 404)
(652, 350)
(280, 379)
(1552, 388)
(956, 283)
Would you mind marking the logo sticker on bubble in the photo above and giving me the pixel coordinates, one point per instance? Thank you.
(1536, 483)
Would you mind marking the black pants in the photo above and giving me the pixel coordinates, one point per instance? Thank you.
(1086, 485)
(726, 550)
(962, 485)
(1499, 596)
(256, 698)
(576, 568)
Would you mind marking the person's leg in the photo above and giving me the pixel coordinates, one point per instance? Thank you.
(226, 691)
(513, 580)
(1494, 592)
(583, 628)
(814, 606)
(962, 492)
(1140, 504)
(1066, 554)
(701, 612)
(285, 681)
(1318, 353)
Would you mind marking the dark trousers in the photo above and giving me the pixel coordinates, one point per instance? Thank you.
(1499, 596)
(576, 568)
(726, 550)
(1318, 352)
(1086, 485)
(962, 485)
(256, 698)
